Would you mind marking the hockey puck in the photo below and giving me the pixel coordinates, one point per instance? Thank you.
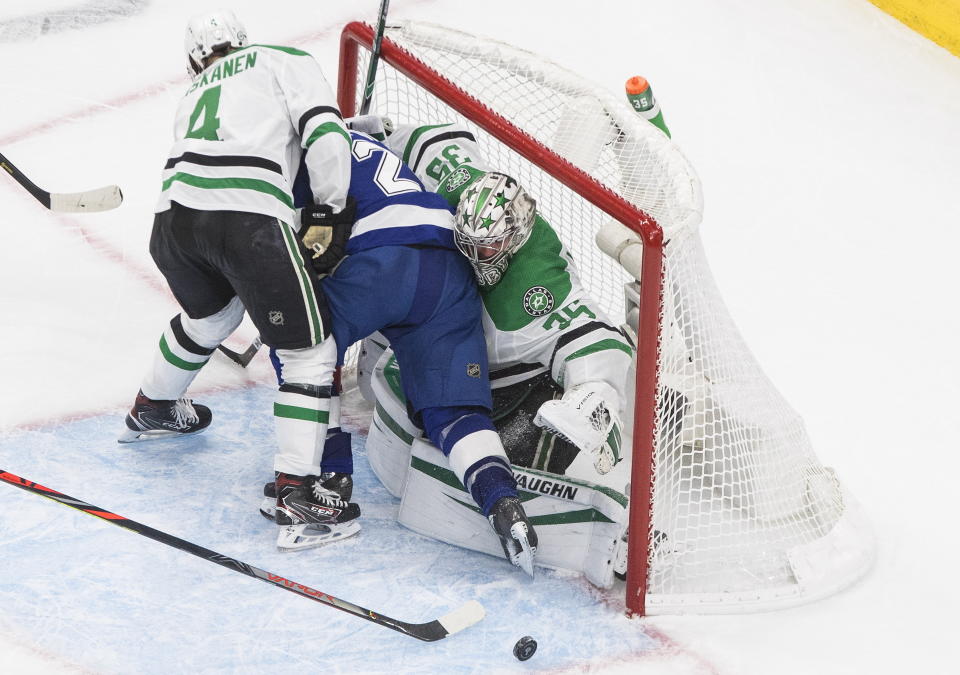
(525, 648)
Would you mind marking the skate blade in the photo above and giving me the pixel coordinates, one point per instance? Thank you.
(131, 436)
(524, 557)
(308, 535)
(268, 508)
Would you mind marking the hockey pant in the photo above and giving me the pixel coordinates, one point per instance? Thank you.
(219, 263)
(424, 300)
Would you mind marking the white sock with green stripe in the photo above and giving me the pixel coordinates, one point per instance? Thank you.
(185, 346)
(301, 414)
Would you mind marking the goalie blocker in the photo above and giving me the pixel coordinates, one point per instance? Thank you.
(581, 524)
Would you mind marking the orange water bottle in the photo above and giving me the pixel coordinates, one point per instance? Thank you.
(640, 95)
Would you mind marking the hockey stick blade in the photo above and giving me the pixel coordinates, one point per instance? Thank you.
(101, 199)
(242, 360)
(431, 631)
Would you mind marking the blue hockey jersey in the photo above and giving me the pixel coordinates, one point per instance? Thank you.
(393, 206)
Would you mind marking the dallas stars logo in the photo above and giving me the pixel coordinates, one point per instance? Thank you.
(537, 301)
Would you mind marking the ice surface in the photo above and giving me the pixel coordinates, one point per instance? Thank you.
(118, 602)
(825, 136)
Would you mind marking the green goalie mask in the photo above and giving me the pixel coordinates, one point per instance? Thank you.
(494, 219)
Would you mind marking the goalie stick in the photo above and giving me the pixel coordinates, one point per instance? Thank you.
(374, 58)
(100, 199)
(450, 623)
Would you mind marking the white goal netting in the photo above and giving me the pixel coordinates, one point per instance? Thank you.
(744, 516)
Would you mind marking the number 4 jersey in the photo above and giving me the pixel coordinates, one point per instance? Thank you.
(538, 318)
(241, 129)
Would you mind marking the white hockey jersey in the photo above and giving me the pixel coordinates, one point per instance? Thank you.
(538, 317)
(241, 129)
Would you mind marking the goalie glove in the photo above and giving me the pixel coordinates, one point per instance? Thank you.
(325, 233)
(587, 416)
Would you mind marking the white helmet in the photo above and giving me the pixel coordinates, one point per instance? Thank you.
(211, 32)
(494, 218)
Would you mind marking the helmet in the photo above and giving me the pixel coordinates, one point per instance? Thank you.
(494, 218)
(211, 32)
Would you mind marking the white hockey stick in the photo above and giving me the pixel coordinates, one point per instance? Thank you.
(100, 199)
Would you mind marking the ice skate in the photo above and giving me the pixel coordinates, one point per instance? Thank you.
(310, 514)
(341, 483)
(517, 536)
(151, 419)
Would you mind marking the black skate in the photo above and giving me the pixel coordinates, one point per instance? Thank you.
(341, 483)
(151, 419)
(517, 536)
(310, 514)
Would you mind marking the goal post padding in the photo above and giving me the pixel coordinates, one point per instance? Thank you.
(736, 512)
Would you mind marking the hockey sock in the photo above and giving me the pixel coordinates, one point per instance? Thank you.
(337, 453)
(488, 481)
(480, 462)
(185, 346)
(301, 413)
(177, 361)
(446, 426)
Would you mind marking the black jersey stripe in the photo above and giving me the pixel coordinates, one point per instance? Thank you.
(184, 340)
(439, 138)
(513, 371)
(313, 112)
(225, 160)
(578, 333)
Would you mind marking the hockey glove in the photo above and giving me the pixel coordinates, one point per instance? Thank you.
(587, 416)
(325, 233)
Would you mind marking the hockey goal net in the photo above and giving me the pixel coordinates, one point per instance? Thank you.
(730, 509)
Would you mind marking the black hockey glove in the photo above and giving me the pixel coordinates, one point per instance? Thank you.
(325, 233)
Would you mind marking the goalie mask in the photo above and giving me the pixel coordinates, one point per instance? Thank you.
(209, 33)
(494, 219)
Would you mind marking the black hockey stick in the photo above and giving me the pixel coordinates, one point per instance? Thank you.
(453, 622)
(243, 360)
(374, 58)
(101, 199)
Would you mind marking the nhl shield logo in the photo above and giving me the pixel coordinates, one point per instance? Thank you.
(276, 317)
(538, 301)
(473, 370)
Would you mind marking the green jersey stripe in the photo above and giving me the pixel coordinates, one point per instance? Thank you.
(306, 286)
(176, 360)
(599, 347)
(229, 184)
(295, 412)
(324, 129)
